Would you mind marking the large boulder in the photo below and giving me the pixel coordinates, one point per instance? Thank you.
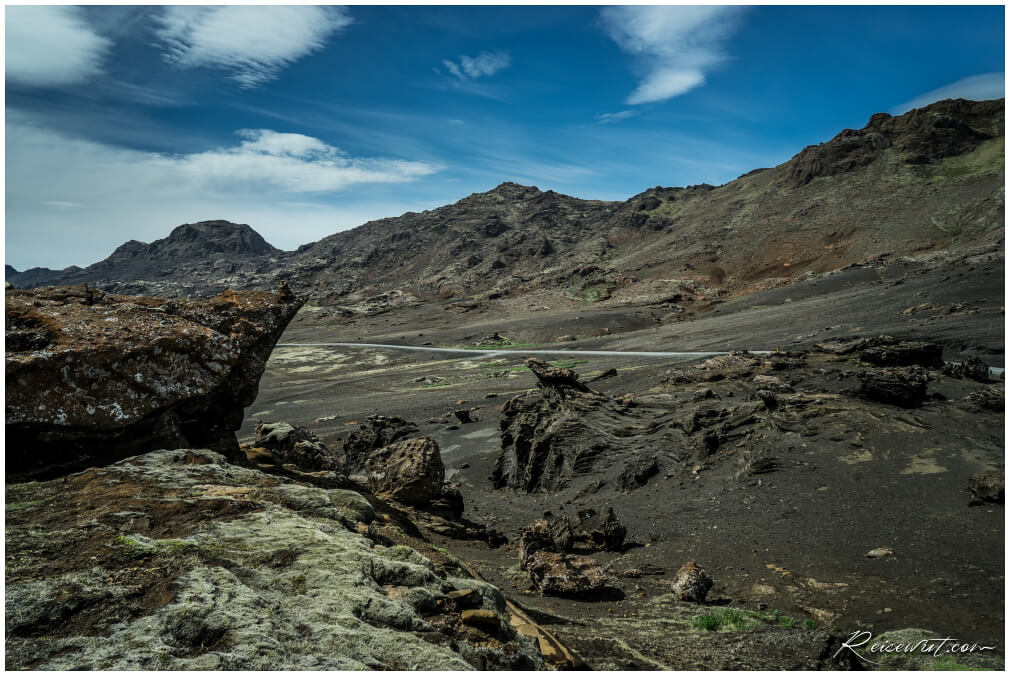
(409, 471)
(93, 377)
(551, 570)
(378, 431)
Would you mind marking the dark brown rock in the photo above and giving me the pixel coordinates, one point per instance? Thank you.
(972, 367)
(559, 574)
(692, 583)
(465, 597)
(904, 387)
(554, 377)
(410, 471)
(987, 486)
(989, 398)
(295, 444)
(904, 353)
(376, 432)
(485, 620)
(96, 377)
(603, 532)
(449, 503)
(536, 537)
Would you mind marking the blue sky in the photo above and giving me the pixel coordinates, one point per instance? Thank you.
(123, 122)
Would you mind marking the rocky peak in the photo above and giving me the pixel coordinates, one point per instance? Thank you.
(219, 237)
(515, 191)
(920, 136)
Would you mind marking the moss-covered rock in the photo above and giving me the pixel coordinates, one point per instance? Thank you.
(252, 571)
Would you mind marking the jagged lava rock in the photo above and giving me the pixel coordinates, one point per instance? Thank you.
(93, 377)
(409, 471)
(604, 532)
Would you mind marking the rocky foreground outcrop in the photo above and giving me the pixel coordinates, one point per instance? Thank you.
(92, 377)
(177, 560)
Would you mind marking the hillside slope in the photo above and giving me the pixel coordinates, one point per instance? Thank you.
(926, 181)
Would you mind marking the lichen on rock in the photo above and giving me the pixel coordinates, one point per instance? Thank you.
(285, 582)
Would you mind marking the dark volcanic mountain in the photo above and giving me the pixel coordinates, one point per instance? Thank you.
(217, 245)
(926, 181)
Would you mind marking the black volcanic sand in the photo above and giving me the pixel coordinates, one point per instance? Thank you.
(853, 477)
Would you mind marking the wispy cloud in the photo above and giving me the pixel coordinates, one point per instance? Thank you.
(606, 118)
(977, 88)
(254, 43)
(676, 45)
(52, 46)
(485, 63)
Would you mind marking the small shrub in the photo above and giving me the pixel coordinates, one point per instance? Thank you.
(706, 622)
(809, 625)
(787, 622)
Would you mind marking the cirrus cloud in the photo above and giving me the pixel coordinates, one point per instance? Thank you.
(977, 88)
(485, 63)
(675, 45)
(254, 43)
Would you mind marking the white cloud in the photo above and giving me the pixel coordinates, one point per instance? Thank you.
(253, 42)
(72, 201)
(287, 162)
(51, 46)
(605, 118)
(977, 88)
(485, 63)
(676, 45)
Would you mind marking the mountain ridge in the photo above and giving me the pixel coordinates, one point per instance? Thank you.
(924, 181)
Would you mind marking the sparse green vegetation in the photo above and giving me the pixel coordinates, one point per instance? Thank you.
(139, 549)
(18, 506)
(706, 622)
(736, 619)
(132, 548)
(948, 663)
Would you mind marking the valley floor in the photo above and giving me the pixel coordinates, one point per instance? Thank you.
(850, 476)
